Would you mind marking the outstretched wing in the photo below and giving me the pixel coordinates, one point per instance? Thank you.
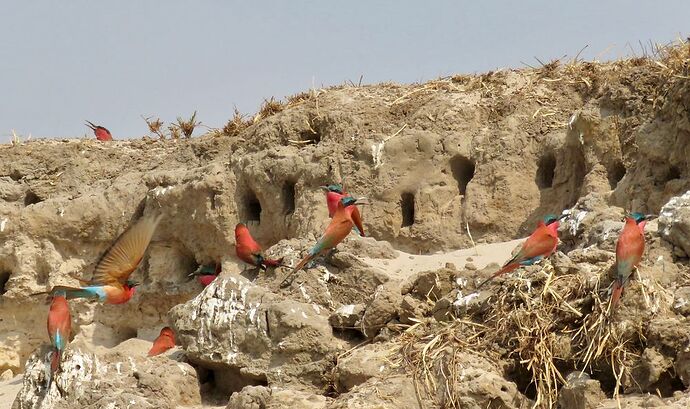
(124, 256)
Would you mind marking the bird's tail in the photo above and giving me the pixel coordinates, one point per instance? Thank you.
(616, 293)
(91, 125)
(55, 362)
(298, 267)
(505, 269)
(278, 262)
(356, 230)
(73, 292)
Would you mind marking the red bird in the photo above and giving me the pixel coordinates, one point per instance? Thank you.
(102, 134)
(59, 329)
(164, 342)
(340, 226)
(540, 244)
(334, 193)
(629, 250)
(110, 282)
(206, 274)
(249, 250)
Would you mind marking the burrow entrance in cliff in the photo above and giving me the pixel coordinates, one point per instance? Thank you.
(289, 197)
(217, 383)
(546, 170)
(615, 173)
(463, 171)
(31, 198)
(4, 278)
(250, 209)
(407, 209)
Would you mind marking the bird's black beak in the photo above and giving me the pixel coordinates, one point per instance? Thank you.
(134, 283)
(563, 216)
(324, 188)
(650, 216)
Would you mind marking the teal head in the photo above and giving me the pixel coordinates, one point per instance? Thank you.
(337, 188)
(639, 217)
(349, 201)
(552, 218)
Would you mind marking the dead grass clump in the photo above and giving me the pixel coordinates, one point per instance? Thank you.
(186, 127)
(155, 126)
(297, 98)
(237, 124)
(268, 108)
(174, 130)
(546, 326)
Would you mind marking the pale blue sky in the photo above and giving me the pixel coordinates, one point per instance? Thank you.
(112, 61)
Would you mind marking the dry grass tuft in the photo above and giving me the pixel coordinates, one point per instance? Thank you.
(174, 130)
(186, 127)
(544, 326)
(268, 108)
(155, 126)
(237, 124)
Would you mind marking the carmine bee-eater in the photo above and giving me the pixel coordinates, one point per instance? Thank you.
(249, 250)
(334, 193)
(206, 274)
(59, 329)
(102, 134)
(164, 342)
(629, 250)
(340, 226)
(110, 282)
(540, 244)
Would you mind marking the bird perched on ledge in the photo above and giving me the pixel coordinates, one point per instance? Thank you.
(540, 244)
(341, 225)
(110, 282)
(629, 250)
(102, 134)
(334, 193)
(59, 329)
(249, 251)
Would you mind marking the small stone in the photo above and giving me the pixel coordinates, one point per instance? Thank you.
(469, 259)
(470, 266)
(580, 392)
(6, 375)
(346, 316)
(450, 266)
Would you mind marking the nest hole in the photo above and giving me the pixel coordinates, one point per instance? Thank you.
(4, 278)
(31, 198)
(615, 174)
(673, 173)
(126, 333)
(407, 209)
(463, 171)
(252, 207)
(289, 197)
(310, 135)
(217, 384)
(523, 380)
(546, 169)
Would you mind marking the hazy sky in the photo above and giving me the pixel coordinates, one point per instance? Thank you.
(110, 62)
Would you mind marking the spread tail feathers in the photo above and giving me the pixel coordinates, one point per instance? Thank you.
(505, 269)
